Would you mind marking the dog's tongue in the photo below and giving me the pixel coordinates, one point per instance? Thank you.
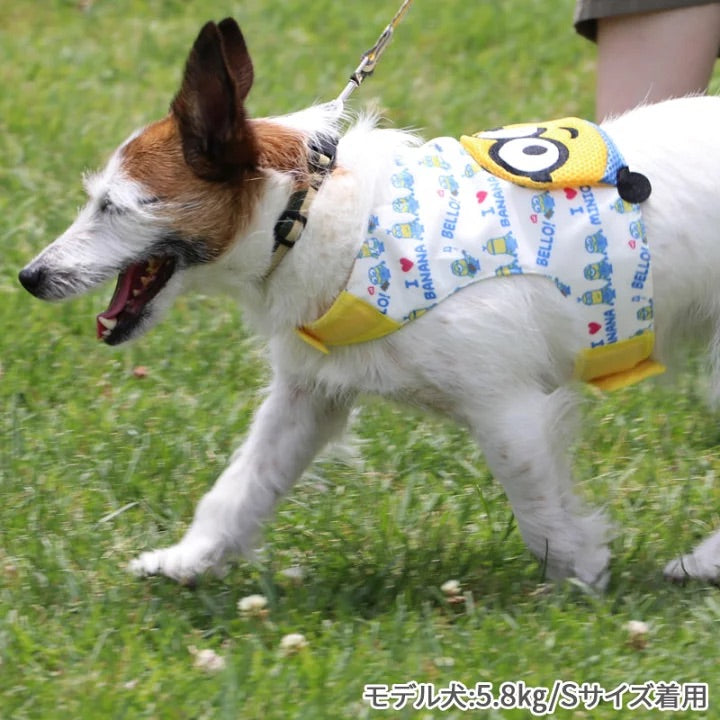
(120, 299)
(137, 285)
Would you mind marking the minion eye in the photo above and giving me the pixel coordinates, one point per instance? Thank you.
(531, 157)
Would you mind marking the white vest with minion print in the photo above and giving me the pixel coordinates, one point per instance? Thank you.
(552, 199)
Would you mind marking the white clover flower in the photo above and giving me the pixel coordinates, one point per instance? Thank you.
(451, 587)
(294, 573)
(207, 659)
(638, 632)
(253, 605)
(637, 627)
(293, 643)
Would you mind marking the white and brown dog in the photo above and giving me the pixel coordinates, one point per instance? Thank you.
(194, 201)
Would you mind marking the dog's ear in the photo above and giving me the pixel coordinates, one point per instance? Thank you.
(237, 57)
(217, 140)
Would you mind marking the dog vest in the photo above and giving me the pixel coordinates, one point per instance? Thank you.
(552, 199)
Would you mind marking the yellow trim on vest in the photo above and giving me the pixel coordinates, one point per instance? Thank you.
(646, 369)
(349, 320)
(619, 364)
(303, 334)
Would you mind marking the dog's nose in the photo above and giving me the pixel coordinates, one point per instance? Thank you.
(31, 278)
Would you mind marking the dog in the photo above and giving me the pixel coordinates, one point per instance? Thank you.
(260, 208)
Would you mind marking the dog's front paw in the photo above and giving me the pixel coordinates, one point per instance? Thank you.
(596, 575)
(182, 562)
(591, 568)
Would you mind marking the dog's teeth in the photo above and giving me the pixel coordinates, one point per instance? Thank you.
(136, 293)
(108, 323)
(146, 279)
(105, 333)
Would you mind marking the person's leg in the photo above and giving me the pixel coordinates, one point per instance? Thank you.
(650, 57)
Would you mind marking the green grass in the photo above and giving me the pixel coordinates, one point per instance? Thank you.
(97, 464)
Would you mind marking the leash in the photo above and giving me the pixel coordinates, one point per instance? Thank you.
(372, 56)
(321, 157)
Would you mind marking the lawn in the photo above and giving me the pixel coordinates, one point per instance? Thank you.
(104, 453)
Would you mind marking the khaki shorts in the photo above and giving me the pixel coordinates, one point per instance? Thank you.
(587, 12)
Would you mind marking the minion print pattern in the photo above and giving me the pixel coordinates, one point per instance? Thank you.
(457, 215)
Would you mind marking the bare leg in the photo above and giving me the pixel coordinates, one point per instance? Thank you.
(649, 57)
(289, 429)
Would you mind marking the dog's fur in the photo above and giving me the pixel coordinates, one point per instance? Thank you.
(202, 189)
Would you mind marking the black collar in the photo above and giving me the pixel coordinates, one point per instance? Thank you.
(291, 223)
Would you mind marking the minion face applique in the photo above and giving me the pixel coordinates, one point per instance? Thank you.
(569, 152)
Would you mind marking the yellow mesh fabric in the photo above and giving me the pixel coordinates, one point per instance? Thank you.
(586, 162)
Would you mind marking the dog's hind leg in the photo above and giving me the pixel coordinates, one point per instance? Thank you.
(703, 563)
(525, 440)
(290, 427)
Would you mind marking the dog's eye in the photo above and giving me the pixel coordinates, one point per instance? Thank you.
(151, 200)
(107, 206)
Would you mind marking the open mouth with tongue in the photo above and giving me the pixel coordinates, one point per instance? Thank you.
(136, 286)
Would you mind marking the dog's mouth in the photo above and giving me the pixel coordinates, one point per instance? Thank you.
(136, 286)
